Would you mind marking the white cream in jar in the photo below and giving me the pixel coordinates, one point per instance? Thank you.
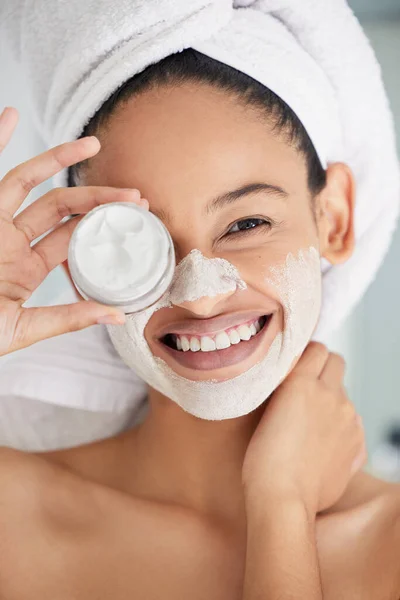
(122, 255)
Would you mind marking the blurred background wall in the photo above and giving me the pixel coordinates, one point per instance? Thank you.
(370, 339)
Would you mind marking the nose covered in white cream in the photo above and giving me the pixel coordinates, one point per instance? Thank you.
(298, 285)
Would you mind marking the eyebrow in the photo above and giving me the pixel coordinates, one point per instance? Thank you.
(251, 188)
(229, 197)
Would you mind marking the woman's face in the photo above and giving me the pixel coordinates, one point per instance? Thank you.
(188, 150)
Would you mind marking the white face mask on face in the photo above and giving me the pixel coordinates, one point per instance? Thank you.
(298, 285)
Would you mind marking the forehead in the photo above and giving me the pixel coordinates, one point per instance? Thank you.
(170, 141)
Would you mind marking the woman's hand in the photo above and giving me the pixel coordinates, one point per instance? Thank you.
(24, 266)
(309, 441)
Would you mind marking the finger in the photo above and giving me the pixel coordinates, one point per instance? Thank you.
(361, 446)
(14, 291)
(333, 372)
(359, 421)
(35, 324)
(47, 211)
(17, 183)
(312, 361)
(53, 248)
(8, 122)
(360, 461)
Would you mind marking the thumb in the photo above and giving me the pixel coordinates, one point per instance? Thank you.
(312, 361)
(35, 324)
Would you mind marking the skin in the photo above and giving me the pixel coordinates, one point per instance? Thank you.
(149, 510)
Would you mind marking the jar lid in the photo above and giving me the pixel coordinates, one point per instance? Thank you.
(121, 254)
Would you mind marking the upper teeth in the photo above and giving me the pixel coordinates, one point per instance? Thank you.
(220, 341)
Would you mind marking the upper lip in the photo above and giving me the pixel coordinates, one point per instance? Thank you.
(209, 326)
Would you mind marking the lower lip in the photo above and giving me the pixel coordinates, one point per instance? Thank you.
(218, 359)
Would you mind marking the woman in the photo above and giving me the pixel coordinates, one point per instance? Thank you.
(268, 504)
(154, 514)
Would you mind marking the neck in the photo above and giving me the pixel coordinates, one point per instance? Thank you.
(189, 461)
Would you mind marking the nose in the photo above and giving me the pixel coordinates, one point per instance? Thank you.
(201, 284)
(205, 306)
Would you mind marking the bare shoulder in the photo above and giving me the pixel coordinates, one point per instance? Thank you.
(22, 472)
(365, 487)
(98, 535)
(34, 490)
(45, 512)
(20, 475)
(359, 541)
(22, 483)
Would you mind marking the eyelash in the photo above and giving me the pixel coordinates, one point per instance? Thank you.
(263, 223)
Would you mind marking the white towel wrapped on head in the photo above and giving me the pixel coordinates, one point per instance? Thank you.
(313, 54)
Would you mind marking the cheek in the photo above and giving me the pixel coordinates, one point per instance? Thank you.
(289, 277)
(255, 264)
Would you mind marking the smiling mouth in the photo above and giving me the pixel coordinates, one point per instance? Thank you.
(218, 342)
(238, 345)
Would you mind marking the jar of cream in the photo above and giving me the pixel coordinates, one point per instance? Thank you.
(121, 255)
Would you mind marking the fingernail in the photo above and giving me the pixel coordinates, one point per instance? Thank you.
(357, 464)
(112, 319)
(131, 190)
(88, 138)
(4, 111)
(144, 203)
